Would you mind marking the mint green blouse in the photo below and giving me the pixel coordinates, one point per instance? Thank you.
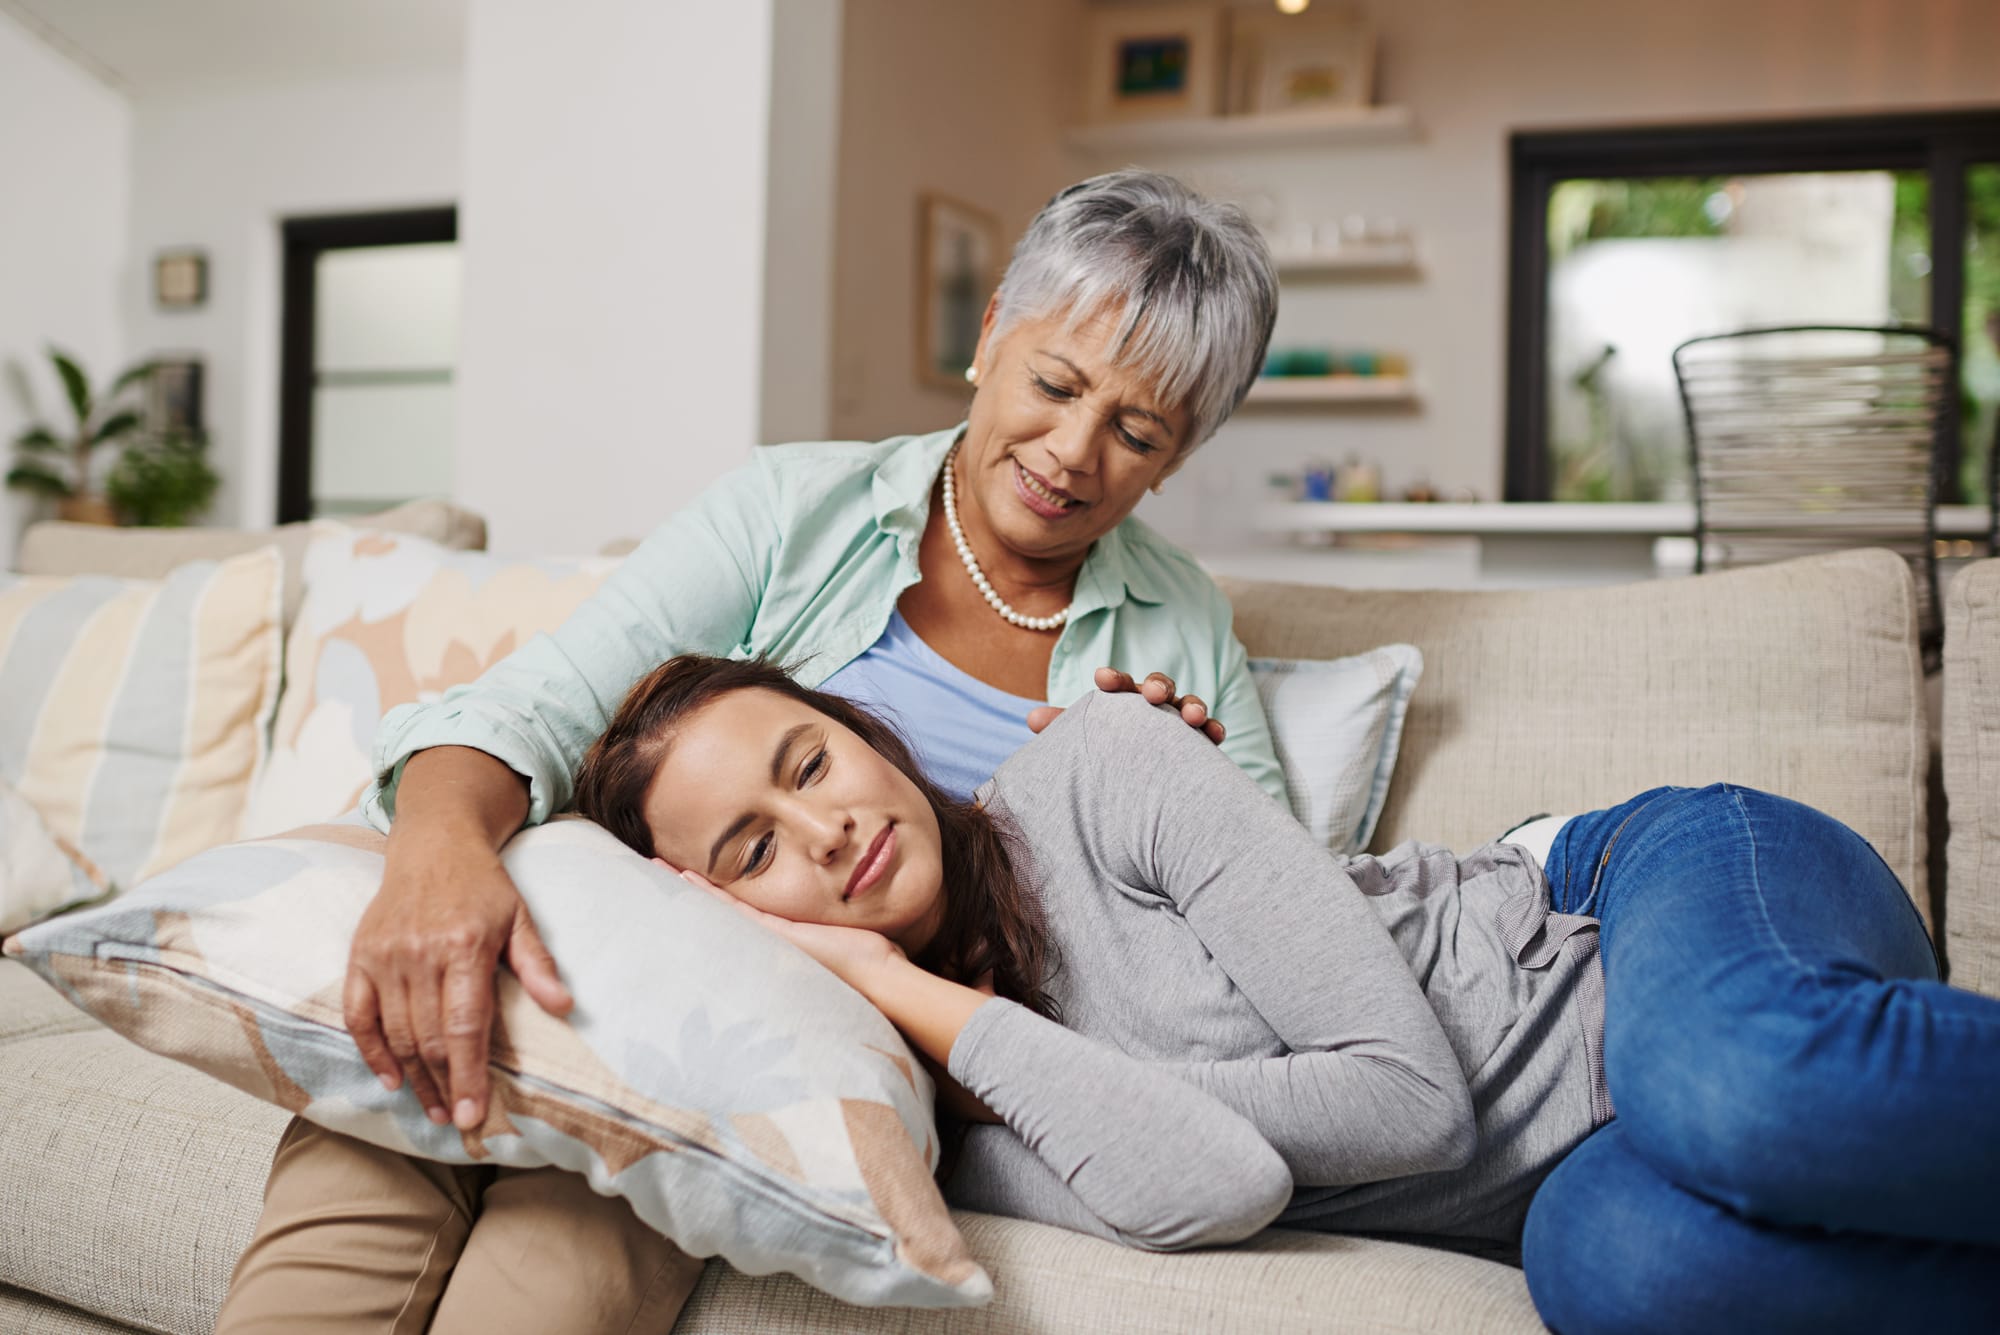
(800, 556)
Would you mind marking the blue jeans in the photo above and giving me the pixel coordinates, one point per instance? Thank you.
(1808, 1128)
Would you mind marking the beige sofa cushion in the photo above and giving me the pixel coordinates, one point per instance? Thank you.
(145, 1178)
(1051, 1282)
(1800, 678)
(56, 548)
(1972, 774)
(24, 1313)
(30, 1008)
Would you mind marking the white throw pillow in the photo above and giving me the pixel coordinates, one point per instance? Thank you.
(1337, 724)
(744, 1100)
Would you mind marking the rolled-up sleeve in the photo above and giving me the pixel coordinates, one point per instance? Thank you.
(694, 586)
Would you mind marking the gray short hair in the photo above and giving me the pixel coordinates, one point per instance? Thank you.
(1188, 281)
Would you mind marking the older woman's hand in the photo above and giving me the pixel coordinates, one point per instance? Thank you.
(1157, 688)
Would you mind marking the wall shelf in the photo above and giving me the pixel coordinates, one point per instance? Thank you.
(1337, 125)
(1363, 259)
(1647, 519)
(1332, 391)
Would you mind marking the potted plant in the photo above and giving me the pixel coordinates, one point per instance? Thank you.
(162, 481)
(57, 463)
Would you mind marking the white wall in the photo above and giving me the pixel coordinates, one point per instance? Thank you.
(799, 250)
(1473, 73)
(220, 169)
(65, 152)
(613, 222)
(967, 100)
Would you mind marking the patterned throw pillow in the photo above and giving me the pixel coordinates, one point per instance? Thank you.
(1337, 724)
(744, 1100)
(40, 872)
(133, 713)
(389, 619)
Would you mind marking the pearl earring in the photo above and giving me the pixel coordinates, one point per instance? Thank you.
(972, 375)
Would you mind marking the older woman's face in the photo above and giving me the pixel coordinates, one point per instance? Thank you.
(1060, 445)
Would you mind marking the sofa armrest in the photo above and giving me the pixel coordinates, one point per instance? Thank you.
(1971, 727)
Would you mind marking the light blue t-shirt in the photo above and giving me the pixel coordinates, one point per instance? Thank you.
(960, 728)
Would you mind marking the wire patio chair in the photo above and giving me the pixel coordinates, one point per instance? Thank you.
(1816, 438)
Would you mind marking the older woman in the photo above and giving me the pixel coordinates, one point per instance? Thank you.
(962, 580)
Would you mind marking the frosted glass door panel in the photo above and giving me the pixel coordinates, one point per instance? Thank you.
(388, 308)
(375, 445)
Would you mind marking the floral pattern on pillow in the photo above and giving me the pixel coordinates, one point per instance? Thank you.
(391, 619)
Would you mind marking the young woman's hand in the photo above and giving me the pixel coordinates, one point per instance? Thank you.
(856, 955)
(1157, 688)
(930, 1011)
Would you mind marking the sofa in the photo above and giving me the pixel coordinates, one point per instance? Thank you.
(129, 1184)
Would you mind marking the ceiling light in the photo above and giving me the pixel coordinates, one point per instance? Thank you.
(1293, 6)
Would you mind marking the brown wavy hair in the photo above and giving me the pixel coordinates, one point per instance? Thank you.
(992, 923)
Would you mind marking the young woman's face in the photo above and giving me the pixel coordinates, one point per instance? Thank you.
(790, 812)
(1060, 445)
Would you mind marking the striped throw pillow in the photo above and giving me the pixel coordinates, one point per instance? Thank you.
(133, 713)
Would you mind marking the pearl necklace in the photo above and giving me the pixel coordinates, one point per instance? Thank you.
(993, 599)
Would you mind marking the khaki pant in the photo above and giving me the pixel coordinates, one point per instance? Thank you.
(354, 1238)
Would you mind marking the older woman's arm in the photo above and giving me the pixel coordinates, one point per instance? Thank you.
(418, 996)
(693, 586)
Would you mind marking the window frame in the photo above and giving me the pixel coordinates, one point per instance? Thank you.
(305, 240)
(1942, 144)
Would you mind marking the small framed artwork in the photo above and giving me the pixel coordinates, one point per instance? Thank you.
(958, 259)
(180, 278)
(173, 397)
(1322, 58)
(1154, 62)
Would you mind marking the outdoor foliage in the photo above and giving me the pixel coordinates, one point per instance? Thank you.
(1584, 211)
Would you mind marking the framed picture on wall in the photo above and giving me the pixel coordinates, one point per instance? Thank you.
(1154, 62)
(180, 279)
(958, 264)
(1322, 58)
(173, 397)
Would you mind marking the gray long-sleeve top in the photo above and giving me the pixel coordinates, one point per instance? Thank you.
(1256, 1031)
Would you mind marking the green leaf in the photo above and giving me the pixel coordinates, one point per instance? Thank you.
(75, 383)
(35, 478)
(131, 376)
(39, 438)
(120, 424)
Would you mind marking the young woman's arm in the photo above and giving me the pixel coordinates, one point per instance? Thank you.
(1120, 1149)
(1126, 802)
